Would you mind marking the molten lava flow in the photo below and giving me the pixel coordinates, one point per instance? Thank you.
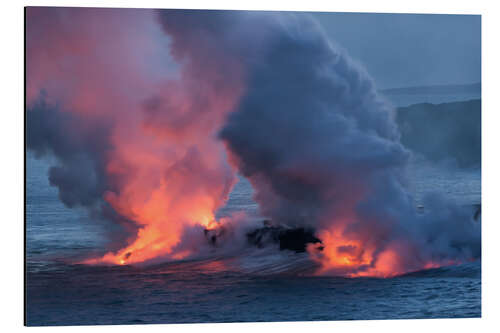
(150, 243)
(354, 256)
(166, 198)
(348, 257)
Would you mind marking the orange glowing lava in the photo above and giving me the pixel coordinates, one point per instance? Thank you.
(353, 257)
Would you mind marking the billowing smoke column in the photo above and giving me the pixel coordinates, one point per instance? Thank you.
(321, 149)
(141, 108)
(134, 129)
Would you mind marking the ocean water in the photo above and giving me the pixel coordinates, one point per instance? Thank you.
(77, 295)
(271, 287)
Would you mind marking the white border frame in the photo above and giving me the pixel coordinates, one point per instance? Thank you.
(11, 138)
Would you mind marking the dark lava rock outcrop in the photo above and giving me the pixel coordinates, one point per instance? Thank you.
(293, 239)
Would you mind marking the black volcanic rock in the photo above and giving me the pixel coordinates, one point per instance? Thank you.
(294, 239)
(297, 239)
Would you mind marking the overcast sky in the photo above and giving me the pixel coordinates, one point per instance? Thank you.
(401, 50)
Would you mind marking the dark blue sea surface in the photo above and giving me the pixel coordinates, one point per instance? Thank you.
(83, 295)
(272, 286)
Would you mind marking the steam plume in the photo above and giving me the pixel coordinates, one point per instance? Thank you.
(321, 148)
(128, 134)
(141, 107)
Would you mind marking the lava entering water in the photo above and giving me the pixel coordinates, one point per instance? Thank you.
(150, 114)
